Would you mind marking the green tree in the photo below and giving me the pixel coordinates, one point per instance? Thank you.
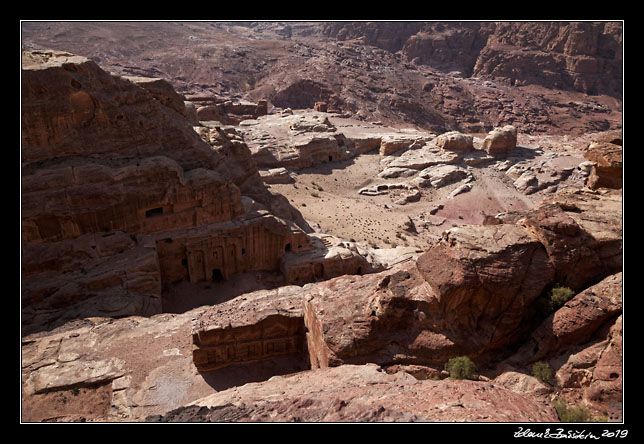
(461, 367)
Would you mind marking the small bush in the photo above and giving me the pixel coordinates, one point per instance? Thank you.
(553, 300)
(542, 372)
(559, 295)
(461, 367)
(570, 414)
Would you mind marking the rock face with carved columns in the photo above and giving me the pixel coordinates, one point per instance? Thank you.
(121, 197)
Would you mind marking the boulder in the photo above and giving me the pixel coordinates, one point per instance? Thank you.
(412, 196)
(501, 141)
(320, 106)
(392, 143)
(527, 183)
(521, 383)
(455, 141)
(460, 190)
(421, 158)
(607, 169)
(442, 175)
(276, 175)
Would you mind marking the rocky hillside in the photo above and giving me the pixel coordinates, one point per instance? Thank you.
(469, 76)
(120, 196)
(580, 56)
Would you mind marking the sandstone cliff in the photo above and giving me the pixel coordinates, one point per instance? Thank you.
(583, 56)
(121, 197)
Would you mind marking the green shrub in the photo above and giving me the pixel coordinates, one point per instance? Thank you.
(570, 414)
(559, 295)
(553, 300)
(542, 372)
(461, 367)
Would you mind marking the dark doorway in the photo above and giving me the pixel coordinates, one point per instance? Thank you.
(217, 276)
(287, 248)
(318, 271)
(154, 212)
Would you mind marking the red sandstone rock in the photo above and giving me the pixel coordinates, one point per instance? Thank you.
(607, 169)
(584, 50)
(576, 321)
(320, 106)
(605, 389)
(501, 141)
(472, 293)
(364, 394)
(413, 315)
(454, 141)
(103, 156)
(582, 342)
(260, 326)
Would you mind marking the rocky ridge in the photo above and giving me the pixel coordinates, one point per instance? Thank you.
(434, 75)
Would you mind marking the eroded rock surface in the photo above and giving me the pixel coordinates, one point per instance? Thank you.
(122, 198)
(473, 293)
(606, 155)
(363, 394)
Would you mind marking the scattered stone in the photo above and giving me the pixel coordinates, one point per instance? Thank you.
(460, 190)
